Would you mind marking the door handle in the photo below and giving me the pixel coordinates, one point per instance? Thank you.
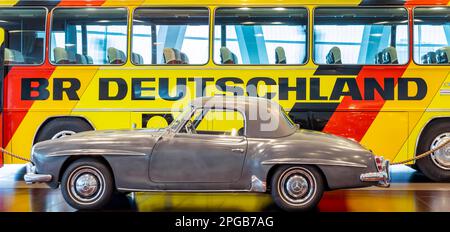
(241, 150)
(445, 91)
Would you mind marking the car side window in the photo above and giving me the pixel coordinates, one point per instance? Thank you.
(216, 122)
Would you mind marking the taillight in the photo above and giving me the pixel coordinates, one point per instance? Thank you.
(379, 163)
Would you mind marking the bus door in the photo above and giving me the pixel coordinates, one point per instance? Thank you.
(2, 73)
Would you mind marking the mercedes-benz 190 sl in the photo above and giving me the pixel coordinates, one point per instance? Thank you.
(217, 144)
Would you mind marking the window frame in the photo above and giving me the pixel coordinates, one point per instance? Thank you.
(166, 7)
(364, 7)
(413, 10)
(89, 7)
(45, 34)
(307, 36)
(194, 109)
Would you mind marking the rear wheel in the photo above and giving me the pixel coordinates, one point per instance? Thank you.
(297, 188)
(87, 184)
(61, 127)
(437, 165)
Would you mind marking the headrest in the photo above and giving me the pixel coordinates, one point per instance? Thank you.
(390, 55)
(227, 56)
(184, 58)
(13, 57)
(60, 55)
(116, 56)
(71, 56)
(136, 58)
(429, 58)
(172, 56)
(280, 56)
(442, 55)
(83, 59)
(334, 56)
(379, 58)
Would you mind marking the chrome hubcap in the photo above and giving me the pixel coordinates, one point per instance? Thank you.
(63, 133)
(86, 185)
(297, 186)
(441, 157)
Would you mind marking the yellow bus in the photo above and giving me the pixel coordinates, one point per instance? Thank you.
(368, 70)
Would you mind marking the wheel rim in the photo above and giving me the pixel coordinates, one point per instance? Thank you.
(297, 186)
(441, 157)
(86, 185)
(63, 133)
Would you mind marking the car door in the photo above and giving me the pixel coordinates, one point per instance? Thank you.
(215, 153)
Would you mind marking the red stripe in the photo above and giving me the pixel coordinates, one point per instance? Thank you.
(426, 2)
(353, 118)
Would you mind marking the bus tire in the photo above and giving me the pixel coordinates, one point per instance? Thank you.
(60, 127)
(435, 166)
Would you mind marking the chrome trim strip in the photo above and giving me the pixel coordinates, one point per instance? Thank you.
(183, 191)
(312, 161)
(95, 152)
(445, 91)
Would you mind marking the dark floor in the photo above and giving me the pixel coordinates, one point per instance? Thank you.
(409, 192)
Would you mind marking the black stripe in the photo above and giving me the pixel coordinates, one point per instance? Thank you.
(49, 4)
(382, 2)
(312, 116)
(338, 70)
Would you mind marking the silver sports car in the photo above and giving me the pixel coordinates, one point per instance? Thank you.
(217, 144)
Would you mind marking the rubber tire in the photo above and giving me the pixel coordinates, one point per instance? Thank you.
(109, 184)
(307, 207)
(59, 124)
(426, 164)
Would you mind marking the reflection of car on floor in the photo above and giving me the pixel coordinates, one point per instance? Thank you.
(217, 144)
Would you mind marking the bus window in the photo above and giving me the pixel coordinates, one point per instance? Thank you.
(361, 35)
(89, 36)
(432, 35)
(260, 36)
(175, 36)
(25, 29)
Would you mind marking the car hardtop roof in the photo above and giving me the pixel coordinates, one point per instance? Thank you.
(237, 102)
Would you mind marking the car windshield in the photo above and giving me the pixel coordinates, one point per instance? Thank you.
(287, 118)
(180, 117)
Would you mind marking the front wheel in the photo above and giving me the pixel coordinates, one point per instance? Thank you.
(437, 165)
(87, 184)
(297, 188)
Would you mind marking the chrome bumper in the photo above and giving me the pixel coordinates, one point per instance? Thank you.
(382, 176)
(32, 177)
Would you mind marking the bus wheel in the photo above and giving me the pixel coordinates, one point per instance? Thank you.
(437, 165)
(60, 127)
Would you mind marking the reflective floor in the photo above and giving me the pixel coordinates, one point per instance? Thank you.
(410, 192)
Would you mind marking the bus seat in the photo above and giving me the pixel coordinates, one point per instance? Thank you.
(36, 51)
(13, 57)
(227, 56)
(60, 55)
(172, 56)
(83, 59)
(379, 58)
(429, 58)
(442, 55)
(116, 56)
(390, 55)
(280, 56)
(136, 58)
(184, 58)
(334, 56)
(72, 57)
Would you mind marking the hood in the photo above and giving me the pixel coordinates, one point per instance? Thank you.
(110, 142)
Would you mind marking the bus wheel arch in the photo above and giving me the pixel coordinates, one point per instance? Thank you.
(60, 126)
(434, 133)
